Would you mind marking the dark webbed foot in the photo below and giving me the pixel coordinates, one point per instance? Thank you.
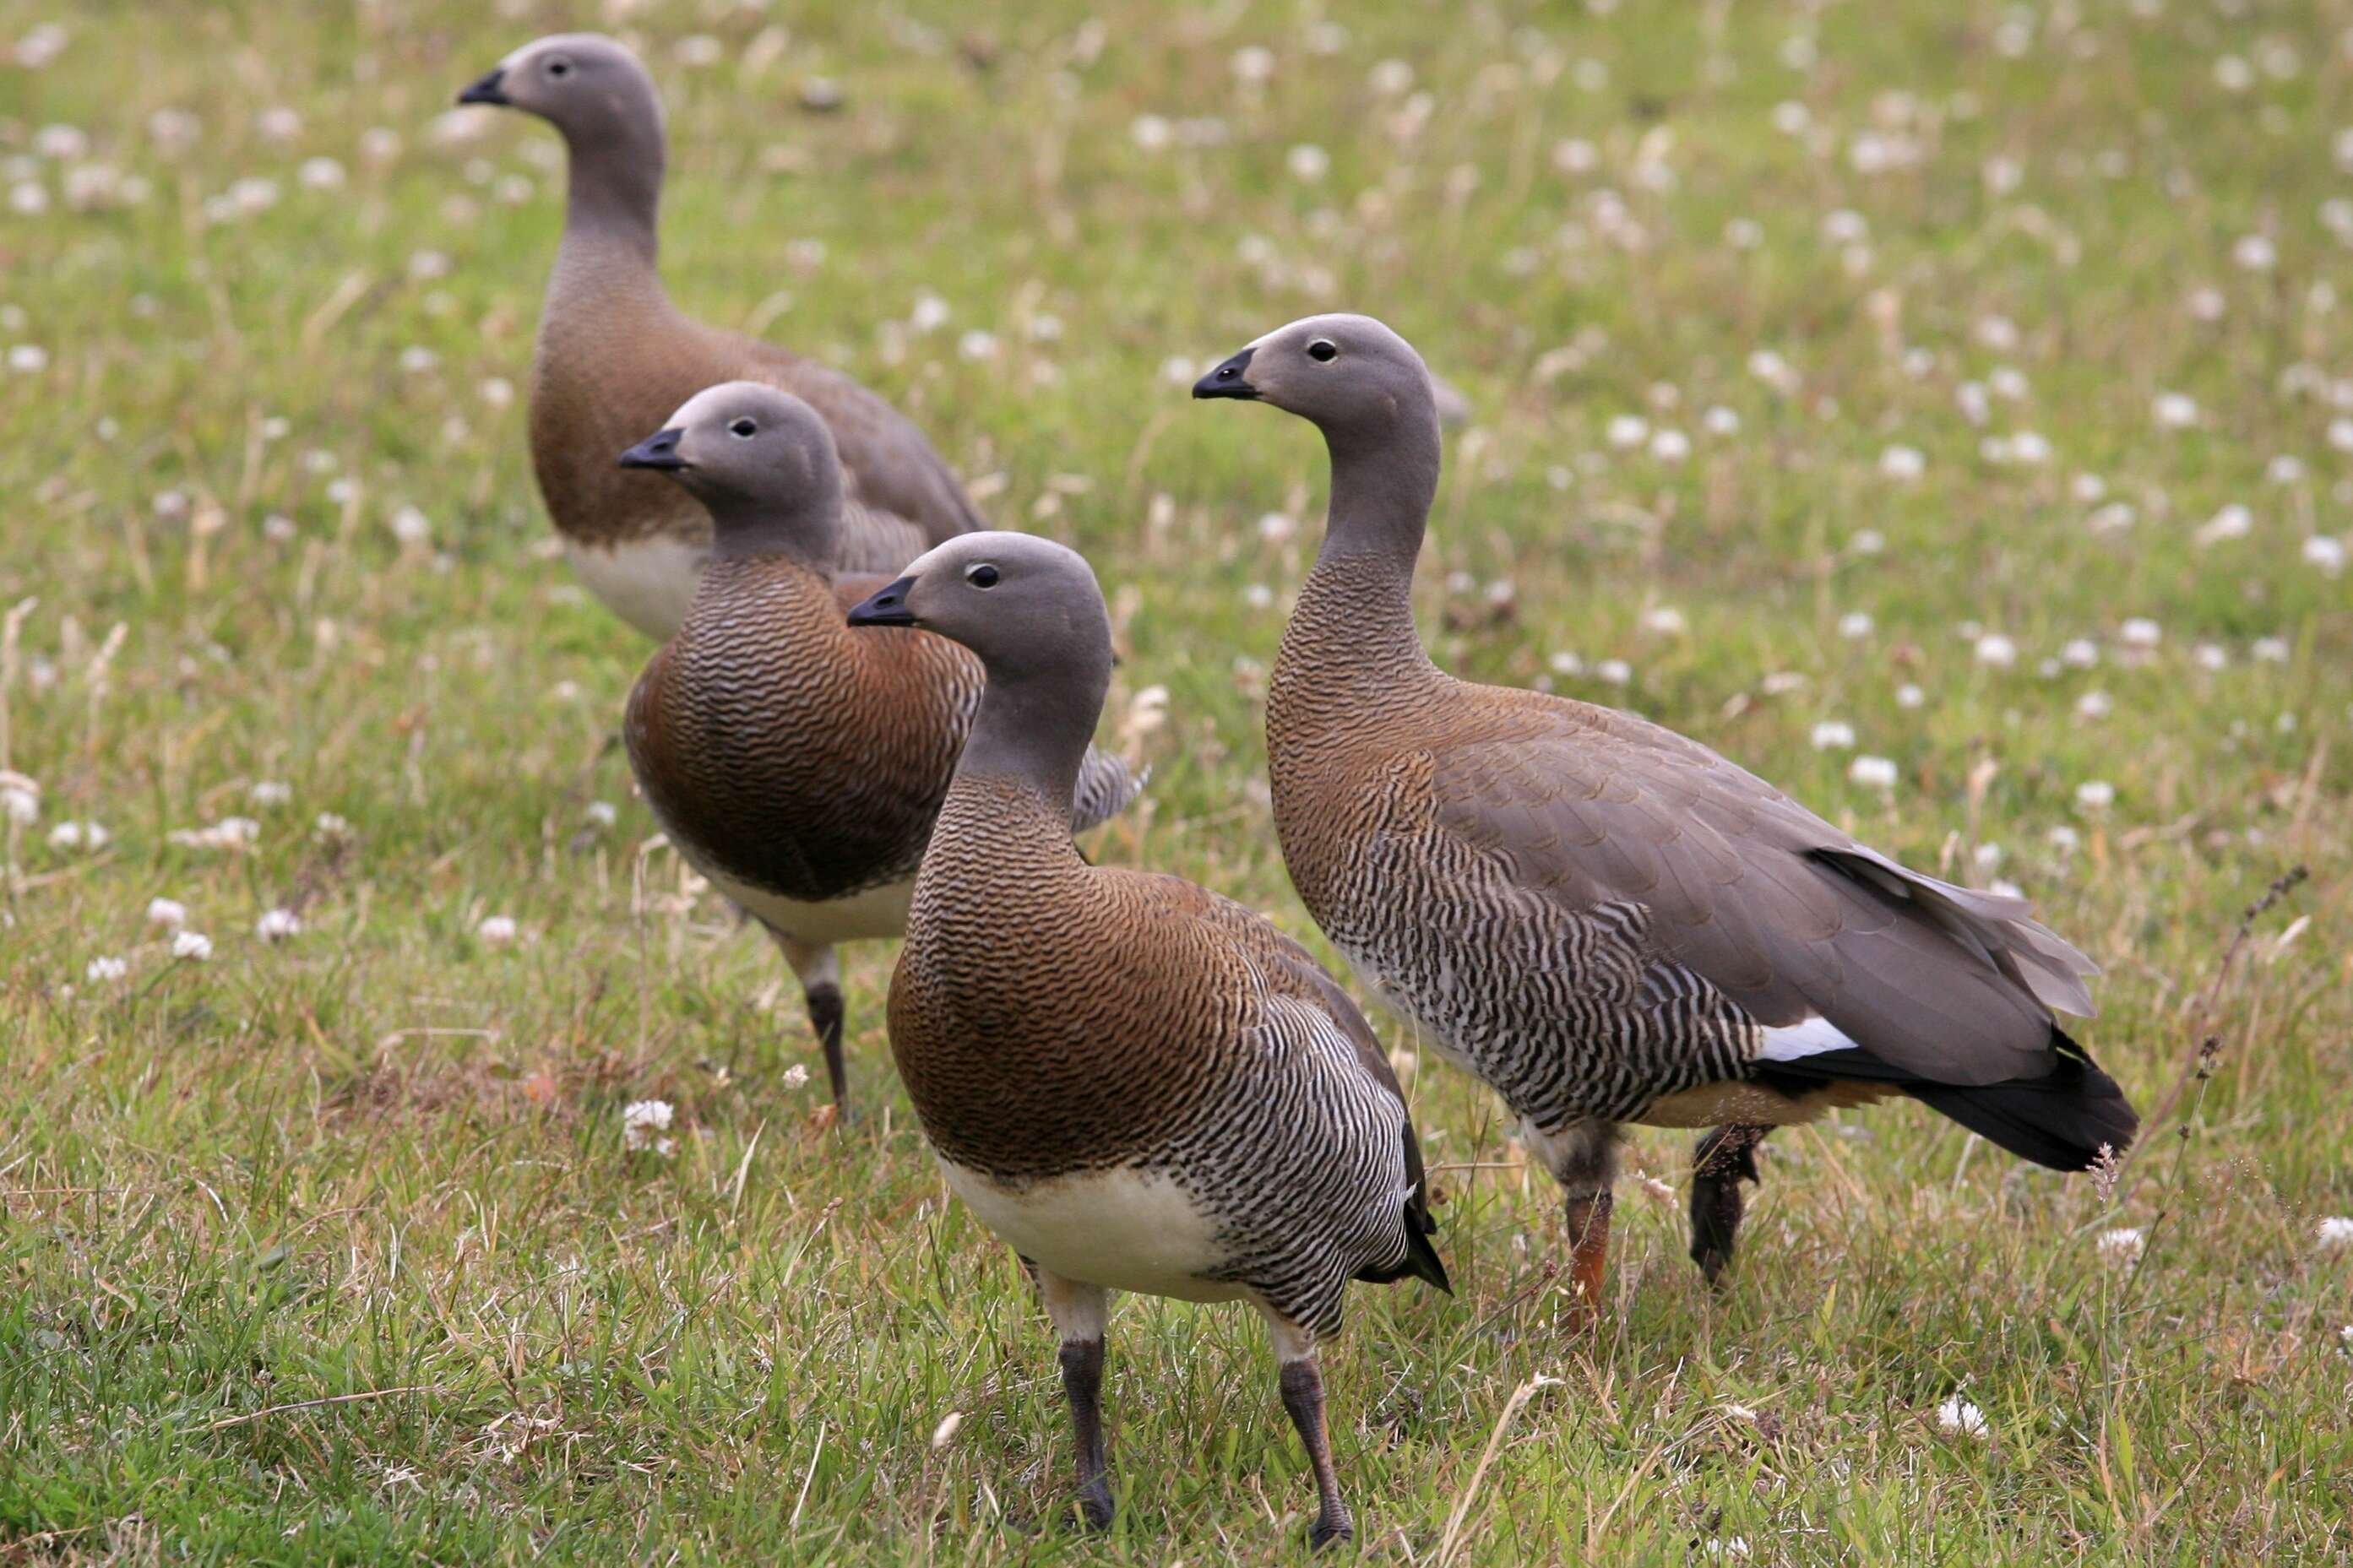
(1723, 1159)
(1302, 1396)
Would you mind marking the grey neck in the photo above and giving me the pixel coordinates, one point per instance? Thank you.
(1035, 722)
(1383, 482)
(807, 534)
(614, 193)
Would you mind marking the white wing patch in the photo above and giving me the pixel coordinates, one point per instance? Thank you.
(1791, 1042)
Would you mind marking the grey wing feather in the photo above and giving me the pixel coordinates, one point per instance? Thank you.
(1106, 785)
(1780, 911)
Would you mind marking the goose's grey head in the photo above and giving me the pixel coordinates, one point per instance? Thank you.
(587, 86)
(1027, 606)
(754, 456)
(1347, 375)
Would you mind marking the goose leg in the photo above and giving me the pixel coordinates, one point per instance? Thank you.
(1079, 1312)
(1584, 1159)
(818, 969)
(1725, 1157)
(1302, 1396)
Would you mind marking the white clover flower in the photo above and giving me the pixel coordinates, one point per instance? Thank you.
(1258, 597)
(2325, 552)
(277, 925)
(2285, 470)
(2211, 656)
(1252, 64)
(976, 344)
(2336, 1233)
(1987, 856)
(2081, 653)
(2140, 632)
(1910, 696)
(1575, 155)
(2256, 253)
(497, 931)
(2096, 795)
(1616, 671)
(643, 1122)
(1872, 772)
(1902, 463)
(1307, 162)
(2094, 705)
(2233, 522)
(320, 175)
(1833, 735)
(169, 913)
(2175, 410)
(267, 793)
(105, 970)
(1995, 649)
(1626, 430)
(330, 826)
(1767, 366)
(2066, 839)
(1854, 625)
(2122, 1245)
(930, 312)
(1781, 682)
(2271, 650)
(193, 945)
(20, 804)
(1671, 446)
(1958, 1417)
(1867, 541)
(795, 1076)
(28, 359)
(1664, 619)
(602, 813)
(228, 833)
(1720, 421)
(1392, 76)
(1151, 132)
(40, 45)
(1566, 663)
(84, 836)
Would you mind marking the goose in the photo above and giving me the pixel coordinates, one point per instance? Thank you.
(1604, 921)
(614, 355)
(794, 765)
(1138, 1084)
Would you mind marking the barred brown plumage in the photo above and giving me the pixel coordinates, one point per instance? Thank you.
(1140, 1085)
(796, 763)
(614, 355)
(1604, 920)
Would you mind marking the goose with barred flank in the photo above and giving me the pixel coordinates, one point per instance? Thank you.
(614, 355)
(1606, 922)
(1138, 1084)
(795, 763)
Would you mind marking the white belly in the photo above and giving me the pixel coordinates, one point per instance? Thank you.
(876, 912)
(647, 582)
(1124, 1230)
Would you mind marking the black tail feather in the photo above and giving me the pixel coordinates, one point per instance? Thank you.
(2061, 1120)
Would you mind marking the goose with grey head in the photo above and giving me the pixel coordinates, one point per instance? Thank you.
(795, 763)
(1140, 1085)
(614, 355)
(1607, 921)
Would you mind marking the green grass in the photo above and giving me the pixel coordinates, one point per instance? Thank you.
(382, 1163)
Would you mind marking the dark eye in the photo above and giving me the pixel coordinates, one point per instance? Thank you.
(1321, 349)
(982, 576)
(744, 428)
(559, 66)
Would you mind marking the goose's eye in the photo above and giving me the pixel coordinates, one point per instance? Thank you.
(559, 66)
(1323, 348)
(982, 576)
(743, 429)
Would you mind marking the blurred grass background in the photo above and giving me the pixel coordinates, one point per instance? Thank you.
(1961, 387)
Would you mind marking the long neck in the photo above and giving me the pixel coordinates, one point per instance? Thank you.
(1359, 597)
(1033, 728)
(808, 534)
(615, 198)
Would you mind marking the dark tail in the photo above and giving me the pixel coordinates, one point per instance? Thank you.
(2060, 1120)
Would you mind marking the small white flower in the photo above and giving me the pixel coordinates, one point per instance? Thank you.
(1626, 430)
(1152, 131)
(2211, 656)
(929, 314)
(643, 1122)
(330, 826)
(1392, 76)
(1833, 735)
(278, 124)
(1671, 446)
(277, 925)
(2122, 1245)
(169, 913)
(602, 813)
(1854, 625)
(2096, 795)
(2081, 653)
(498, 931)
(1781, 682)
(2175, 410)
(1872, 772)
(795, 1076)
(86, 835)
(2140, 632)
(2336, 1233)
(1177, 371)
(1987, 856)
(267, 793)
(1307, 162)
(2286, 469)
(1616, 671)
(320, 175)
(2325, 552)
(2094, 705)
(1720, 421)
(1909, 695)
(1958, 1417)
(2272, 650)
(976, 344)
(1566, 663)
(194, 945)
(1252, 63)
(2233, 522)
(2066, 839)
(1902, 463)
(104, 970)
(411, 526)
(417, 358)
(1995, 649)
(28, 359)
(20, 804)
(1258, 597)
(1664, 619)
(2256, 253)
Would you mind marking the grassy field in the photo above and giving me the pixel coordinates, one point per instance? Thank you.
(1948, 395)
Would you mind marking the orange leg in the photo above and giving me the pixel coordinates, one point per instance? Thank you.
(1588, 1257)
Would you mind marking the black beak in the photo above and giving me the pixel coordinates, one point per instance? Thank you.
(885, 608)
(1227, 380)
(659, 450)
(491, 89)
